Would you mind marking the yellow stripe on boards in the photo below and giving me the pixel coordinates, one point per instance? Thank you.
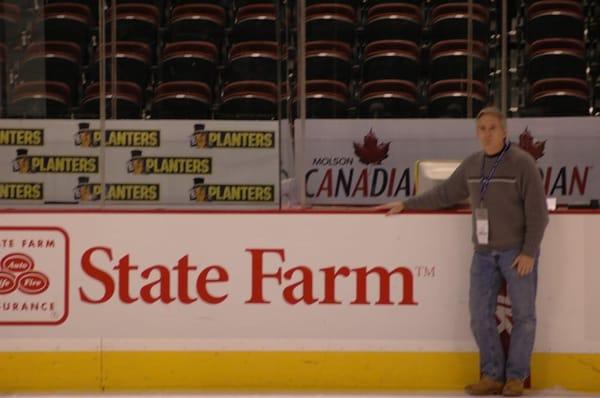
(50, 371)
(273, 371)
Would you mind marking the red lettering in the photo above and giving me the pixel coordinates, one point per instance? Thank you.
(203, 280)
(384, 285)
(258, 275)
(163, 282)
(96, 273)
(305, 282)
(330, 274)
(577, 179)
(183, 268)
(362, 184)
(124, 268)
(158, 278)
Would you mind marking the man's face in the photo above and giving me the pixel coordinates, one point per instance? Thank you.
(491, 134)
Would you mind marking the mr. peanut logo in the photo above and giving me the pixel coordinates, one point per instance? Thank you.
(34, 275)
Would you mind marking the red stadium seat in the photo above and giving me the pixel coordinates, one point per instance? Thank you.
(182, 100)
(40, 99)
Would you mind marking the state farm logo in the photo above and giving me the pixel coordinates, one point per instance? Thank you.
(34, 276)
(16, 272)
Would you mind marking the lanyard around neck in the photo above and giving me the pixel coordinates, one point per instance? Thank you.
(485, 181)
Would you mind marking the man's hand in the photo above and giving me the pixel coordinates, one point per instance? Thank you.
(393, 207)
(524, 264)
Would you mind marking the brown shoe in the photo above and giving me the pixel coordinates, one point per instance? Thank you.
(513, 388)
(486, 386)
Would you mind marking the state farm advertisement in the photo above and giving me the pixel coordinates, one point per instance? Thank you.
(373, 161)
(265, 281)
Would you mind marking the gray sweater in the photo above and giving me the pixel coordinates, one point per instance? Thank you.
(514, 198)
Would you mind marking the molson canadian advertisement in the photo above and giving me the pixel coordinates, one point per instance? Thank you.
(203, 164)
(373, 161)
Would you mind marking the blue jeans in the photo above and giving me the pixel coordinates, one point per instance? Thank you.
(487, 271)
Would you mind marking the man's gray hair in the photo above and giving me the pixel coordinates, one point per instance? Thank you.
(492, 110)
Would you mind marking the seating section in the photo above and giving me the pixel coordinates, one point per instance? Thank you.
(128, 97)
(251, 64)
(391, 59)
(182, 100)
(2, 78)
(237, 59)
(556, 59)
(453, 91)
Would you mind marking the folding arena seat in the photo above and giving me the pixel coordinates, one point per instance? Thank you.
(484, 3)
(548, 58)
(326, 99)
(221, 3)
(135, 22)
(253, 60)
(87, 3)
(189, 60)
(91, 4)
(328, 60)
(249, 100)
(554, 18)
(202, 22)
(388, 99)
(128, 95)
(9, 22)
(393, 21)
(391, 59)
(448, 98)
(560, 97)
(182, 100)
(372, 3)
(63, 22)
(330, 21)
(255, 22)
(351, 3)
(39, 99)
(242, 3)
(133, 63)
(2, 79)
(449, 60)
(450, 21)
(157, 3)
(53, 61)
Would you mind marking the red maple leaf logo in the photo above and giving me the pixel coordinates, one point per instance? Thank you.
(535, 149)
(371, 151)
